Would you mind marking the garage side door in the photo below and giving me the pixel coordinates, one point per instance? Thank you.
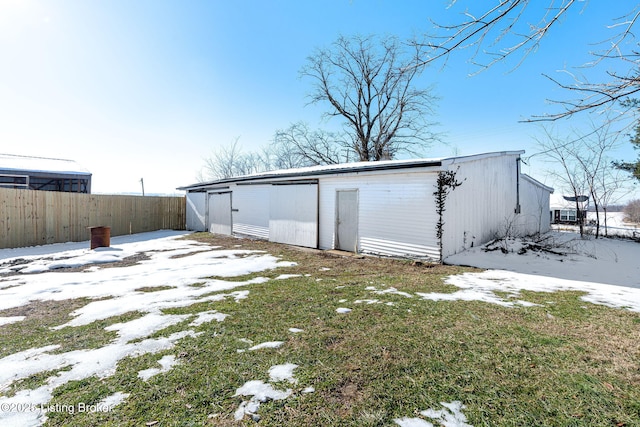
(220, 213)
(347, 220)
(293, 215)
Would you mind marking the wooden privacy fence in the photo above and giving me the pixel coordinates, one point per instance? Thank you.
(29, 218)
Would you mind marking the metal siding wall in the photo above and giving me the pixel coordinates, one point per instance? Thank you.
(196, 211)
(251, 210)
(483, 206)
(294, 215)
(396, 213)
(534, 201)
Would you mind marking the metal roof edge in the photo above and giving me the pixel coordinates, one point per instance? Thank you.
(536, 182)
(341, 169)
(345, 168)
(472, 157)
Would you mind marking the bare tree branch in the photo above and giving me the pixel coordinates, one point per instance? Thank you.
(500, 31)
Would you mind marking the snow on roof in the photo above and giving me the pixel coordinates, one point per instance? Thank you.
(11, 162)
(352, 167)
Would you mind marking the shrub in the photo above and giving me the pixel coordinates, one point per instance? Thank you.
(632, 211)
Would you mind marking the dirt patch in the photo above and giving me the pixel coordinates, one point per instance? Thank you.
(45, 310)
(18, 262)
(127, 261)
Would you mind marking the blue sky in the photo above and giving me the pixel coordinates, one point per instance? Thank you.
(147, 89)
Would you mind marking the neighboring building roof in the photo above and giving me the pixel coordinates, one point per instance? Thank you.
(558, 202)
(10, 163)
(345, 168)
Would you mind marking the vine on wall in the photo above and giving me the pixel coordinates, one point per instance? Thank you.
(446, 183)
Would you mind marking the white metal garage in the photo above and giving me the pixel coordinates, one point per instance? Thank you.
(386, 207)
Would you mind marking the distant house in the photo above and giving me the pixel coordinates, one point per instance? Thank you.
(564, 211)
(41, 173)
(384, 208)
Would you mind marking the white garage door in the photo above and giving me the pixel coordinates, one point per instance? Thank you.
(220, 213)
(293, 215)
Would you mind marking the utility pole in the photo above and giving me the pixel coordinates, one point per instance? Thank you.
(142, 183)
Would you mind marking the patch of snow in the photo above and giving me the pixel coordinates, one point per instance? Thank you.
(113, 400)
(208, 316)
(390, 290)
(169, 263)
(366, 301)
(309, 389)
(412, 422)
(11, 319)
(450, 416)
(166, 363)
(481, 286)
(260, 392)
(268, 344)
(100, 362)
(603, 260)
(283, 373)
(343, 310)
(295, 330)
(287, 276)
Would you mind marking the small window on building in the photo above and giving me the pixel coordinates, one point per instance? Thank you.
(567, 215)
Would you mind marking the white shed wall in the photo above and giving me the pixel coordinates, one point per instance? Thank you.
(294, 215)
(250, 204)
(396, 212)
(197, 211)
(483, 206)
(534, 202)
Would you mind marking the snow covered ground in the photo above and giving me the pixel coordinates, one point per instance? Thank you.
(180, 263)
(611, 261)
(607, 271)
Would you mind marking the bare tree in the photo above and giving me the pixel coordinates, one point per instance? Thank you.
(369, 83)
(228, 161)
(560, 152)
(614, 185)
(299, 146)
(597, 167)
(495, 31)
(585, 167)
(632, 211)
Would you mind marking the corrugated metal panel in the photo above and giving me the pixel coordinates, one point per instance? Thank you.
(196, 211)
(220, 213)
(396, 213)
(294, 215)
(483, 207)
(392, 248)
(251, 210)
